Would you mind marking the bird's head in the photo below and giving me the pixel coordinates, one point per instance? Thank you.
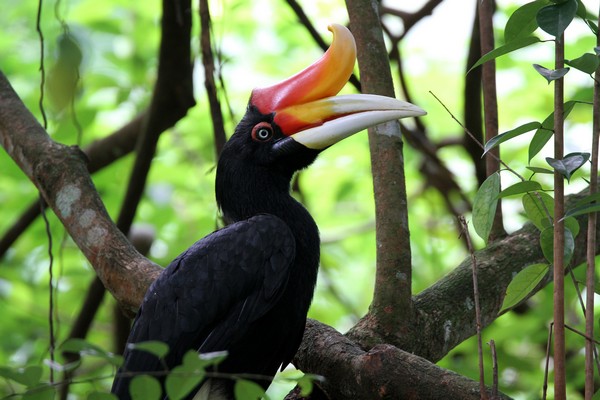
(286, 125)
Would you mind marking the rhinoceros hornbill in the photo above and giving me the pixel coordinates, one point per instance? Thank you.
(246, 288)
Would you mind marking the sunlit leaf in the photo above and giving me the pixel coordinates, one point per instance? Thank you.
(503, 137)
(248, 390)
(145, 387)
(522, 21)
(555, 18)
(539, 208)
(519, 188)
(158, 349)
(550, 74)
(306, 385)
(515, 44)
(484, 206)
(569, 164)
(522, 284)
(587, 63)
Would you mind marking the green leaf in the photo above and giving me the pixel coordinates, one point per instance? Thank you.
(306, 385)
(550, 74)
(545, 132)
(182, 380)
(185, 377)
(154, 347)
(248, 390)
(539, 170)
(484, 206)
(569, 164)
(520, 187)
(547, 243)
(555, 18)
(572, 225)
(101, 396)
(516, 44)
(503, 137)
(589, 204)
(28, 376)
(84, 347)
(522, 21)
(522, 284)
(587, 63)
(145, 387)
(539, 208)
(41, 392)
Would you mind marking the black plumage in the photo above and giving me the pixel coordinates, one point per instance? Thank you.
(245, 288)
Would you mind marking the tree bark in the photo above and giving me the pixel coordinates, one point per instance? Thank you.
(60, 174)
(391, 309)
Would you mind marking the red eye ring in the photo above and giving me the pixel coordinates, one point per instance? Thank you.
(262, 132)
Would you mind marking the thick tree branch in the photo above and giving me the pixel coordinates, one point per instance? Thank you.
(391, 308)
(100, 154)
(382, 372)
(490, 103)
(445, 315)
(173, 95)
(70, 193)
(472, 110)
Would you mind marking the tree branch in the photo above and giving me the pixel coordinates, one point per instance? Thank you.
(209, 78)
(100, 154)
(391, 308)
(70, 193)
(382, 372)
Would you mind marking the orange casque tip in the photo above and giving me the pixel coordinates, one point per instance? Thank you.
(325, 78)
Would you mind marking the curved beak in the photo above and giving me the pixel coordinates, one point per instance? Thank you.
(306, 107)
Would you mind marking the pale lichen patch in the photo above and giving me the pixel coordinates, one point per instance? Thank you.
(87, 218)
(447, 333)
(65, 199)
(469, 303)
(401, 276)
(95, 236)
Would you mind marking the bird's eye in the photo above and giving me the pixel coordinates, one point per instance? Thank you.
(262, 132)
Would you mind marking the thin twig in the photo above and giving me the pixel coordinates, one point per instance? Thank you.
(465, 232)
(547, 364)
(208, 62)
(51, 345)
(591, 353)
(494, 369)
(489, 154)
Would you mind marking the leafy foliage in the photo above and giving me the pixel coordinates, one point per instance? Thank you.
(117, 64)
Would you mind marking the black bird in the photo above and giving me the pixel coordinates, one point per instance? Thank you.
(246, 288)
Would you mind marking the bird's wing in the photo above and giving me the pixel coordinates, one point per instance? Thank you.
(207, 296)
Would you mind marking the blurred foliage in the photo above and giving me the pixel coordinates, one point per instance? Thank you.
(118, 43)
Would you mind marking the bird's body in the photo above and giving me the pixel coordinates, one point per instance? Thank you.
(246, 288)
